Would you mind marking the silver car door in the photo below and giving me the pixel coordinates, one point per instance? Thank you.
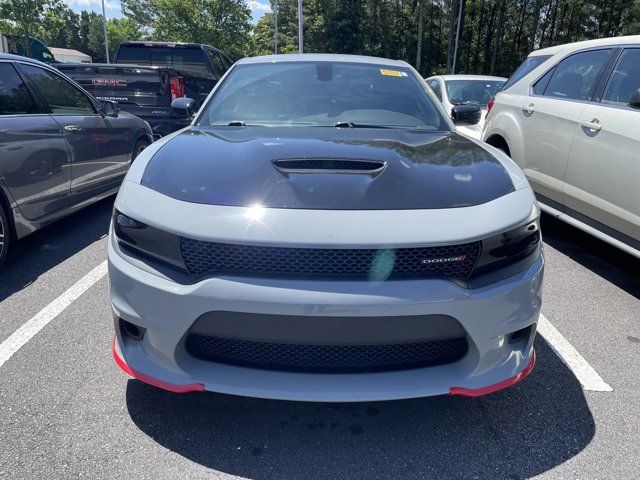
(549, 116)
(603, 174)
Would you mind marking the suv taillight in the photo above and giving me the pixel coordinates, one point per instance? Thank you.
(490, 104)
(177, 87)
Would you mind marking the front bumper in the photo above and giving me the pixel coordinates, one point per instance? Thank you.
(167, 310)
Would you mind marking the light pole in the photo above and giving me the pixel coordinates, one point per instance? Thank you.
(455, 50)
(300, 39)
(275, 35)
(104, 29)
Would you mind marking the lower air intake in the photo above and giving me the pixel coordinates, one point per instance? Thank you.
(326, 358)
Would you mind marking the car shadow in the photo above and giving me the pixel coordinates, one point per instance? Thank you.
(606, 261)
(516, 433)
(41, 251)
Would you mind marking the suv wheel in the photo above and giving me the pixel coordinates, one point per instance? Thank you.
(140, 146)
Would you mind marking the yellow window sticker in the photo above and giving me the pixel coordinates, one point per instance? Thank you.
(392, 73)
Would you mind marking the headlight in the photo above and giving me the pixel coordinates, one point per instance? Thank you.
(501, 256)
(508, 253)
(147, 241)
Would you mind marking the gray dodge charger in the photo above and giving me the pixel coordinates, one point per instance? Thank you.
(321, 232)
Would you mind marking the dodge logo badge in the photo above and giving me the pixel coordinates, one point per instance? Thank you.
(460, 258)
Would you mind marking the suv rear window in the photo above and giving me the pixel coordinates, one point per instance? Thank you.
(14, 97)
(136, 55)
(179, 57)
(526, 67)
(576, 76)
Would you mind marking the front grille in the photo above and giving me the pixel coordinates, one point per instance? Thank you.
(210, 258)
(326, 358)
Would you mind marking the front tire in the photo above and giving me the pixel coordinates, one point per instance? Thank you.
(5, 235)
(140, 146)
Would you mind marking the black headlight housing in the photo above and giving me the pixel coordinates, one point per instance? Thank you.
(143, 240)
(506, 254)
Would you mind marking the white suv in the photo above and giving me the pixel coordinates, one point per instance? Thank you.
(570, 118)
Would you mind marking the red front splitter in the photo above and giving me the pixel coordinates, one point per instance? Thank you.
(479, 392)
(190, 387)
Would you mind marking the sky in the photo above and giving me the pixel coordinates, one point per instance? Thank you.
(112, 7)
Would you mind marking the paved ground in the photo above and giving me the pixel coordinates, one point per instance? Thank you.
(66, 410)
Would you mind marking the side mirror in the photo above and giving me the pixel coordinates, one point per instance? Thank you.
(466, 114)
(183, 107)
(109, 108)
(635, 99)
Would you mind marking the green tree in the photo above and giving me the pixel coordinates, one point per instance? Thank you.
(263, 39)
(30, 17)
(120, 30)
(95, 38)
(631, 19)
(225, 24)
(68, 36)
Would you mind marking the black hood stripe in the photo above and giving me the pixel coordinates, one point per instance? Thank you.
(234, 166)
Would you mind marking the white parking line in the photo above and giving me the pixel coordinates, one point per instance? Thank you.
(26, 332)
(586, 375)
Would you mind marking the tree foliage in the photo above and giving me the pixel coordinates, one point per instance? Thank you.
(225, 24)
(495, 35)
(30, 17)
(120, 30)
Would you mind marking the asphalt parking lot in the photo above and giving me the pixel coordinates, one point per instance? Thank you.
(67, 411)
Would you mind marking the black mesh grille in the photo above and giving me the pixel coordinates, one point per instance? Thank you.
(209, 258)
(345, 358)
(328, 164)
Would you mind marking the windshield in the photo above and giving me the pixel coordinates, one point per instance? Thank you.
(526, 67)
(323, 94)
(474, 92)
(180, 57)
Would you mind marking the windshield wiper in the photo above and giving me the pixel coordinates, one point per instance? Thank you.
(358, 125)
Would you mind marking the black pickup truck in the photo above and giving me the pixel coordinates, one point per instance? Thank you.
(147, 76)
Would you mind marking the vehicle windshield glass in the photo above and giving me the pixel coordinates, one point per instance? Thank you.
(187, 58)
(322, 94)
(526, 67)
(474, 92)
(179, 57)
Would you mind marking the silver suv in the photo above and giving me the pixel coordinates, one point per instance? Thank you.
(569, 118)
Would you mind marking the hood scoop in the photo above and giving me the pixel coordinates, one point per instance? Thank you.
(289, 166)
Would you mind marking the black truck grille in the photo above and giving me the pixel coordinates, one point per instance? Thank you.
(326, 358)
(211, 258)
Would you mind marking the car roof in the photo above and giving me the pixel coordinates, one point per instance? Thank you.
(152, 43)
(9, 56)
(323, 57)
(630, 39)
(472, 77)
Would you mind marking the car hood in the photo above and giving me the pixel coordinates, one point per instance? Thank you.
(236, 166)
